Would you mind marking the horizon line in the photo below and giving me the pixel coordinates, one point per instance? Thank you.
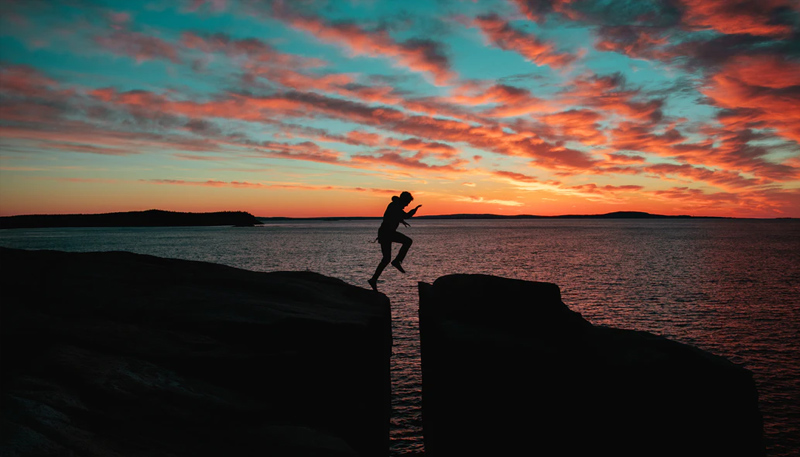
(613, 214)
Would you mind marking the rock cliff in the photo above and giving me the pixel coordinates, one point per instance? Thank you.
(119, 354)
(508, 369)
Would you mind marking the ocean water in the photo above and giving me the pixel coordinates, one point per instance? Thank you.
(731, 287)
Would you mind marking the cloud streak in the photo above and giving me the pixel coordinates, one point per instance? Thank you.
(684, 105)
(539, 52)
(416, 54)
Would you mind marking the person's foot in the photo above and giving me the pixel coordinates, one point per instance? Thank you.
(374, 283)
(397, 265)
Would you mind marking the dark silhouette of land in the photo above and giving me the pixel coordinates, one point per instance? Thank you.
(614, 215)
(159, 218)
(149, 218)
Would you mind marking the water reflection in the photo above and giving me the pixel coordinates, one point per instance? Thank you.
(727, 286)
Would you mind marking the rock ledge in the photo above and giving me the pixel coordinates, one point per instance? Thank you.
(119, 354)
(508, 369)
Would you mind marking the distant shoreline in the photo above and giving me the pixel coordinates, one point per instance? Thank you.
(149, 218)
(614, 215)
(159, 218)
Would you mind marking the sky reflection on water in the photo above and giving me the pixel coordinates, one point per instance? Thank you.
(728, 286)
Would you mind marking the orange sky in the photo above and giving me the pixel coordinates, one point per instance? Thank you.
(328, 108)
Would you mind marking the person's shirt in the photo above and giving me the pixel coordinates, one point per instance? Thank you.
(393, 215)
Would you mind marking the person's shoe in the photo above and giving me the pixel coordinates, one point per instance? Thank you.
(397, 265)
(374, 283)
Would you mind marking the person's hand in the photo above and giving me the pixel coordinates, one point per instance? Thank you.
(417, 207)
(406, 223)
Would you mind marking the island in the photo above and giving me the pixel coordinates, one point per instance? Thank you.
(612, 215)
(149, 218)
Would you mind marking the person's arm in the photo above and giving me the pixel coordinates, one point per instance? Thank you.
(412, 212)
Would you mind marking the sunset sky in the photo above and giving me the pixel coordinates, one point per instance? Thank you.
(328, 108)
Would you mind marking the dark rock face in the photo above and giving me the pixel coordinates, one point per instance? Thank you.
(118, 354)
(508, 369)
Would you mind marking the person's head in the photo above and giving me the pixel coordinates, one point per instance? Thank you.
(406, 198)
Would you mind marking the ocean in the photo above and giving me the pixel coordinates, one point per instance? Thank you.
(729, 286)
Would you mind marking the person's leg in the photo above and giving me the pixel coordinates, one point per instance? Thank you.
(401, 255)
(386, 250)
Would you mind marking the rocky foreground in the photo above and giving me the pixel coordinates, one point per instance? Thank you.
(119, 354)
(508, 369)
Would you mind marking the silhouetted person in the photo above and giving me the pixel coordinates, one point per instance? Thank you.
(388, 234)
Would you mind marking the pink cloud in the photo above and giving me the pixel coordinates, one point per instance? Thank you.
(254, 50)
(369, 139)
(270, 185)
(731, 152)
(608, 93)
(255, 109)
(419, 55)
(334, 83)
(754, 17)
(753, 202)
(636, 42)
(441, 150)
(260, 61)
(724, 148)
(624, 158)
(514, 176)
(743, 204)
(120, 18)
(264, 109)
(641, 137)
(536, 10)
(510, 101)
(600, 190)
(301, 151)
(138, 46)
(751, 70)
(768, 101)
(88, 180)
(214, 5)
(401, 161)
(256, 59)
(577, 124)
(725, 179)
(489, 201)
(83, 137)
(22, 80)
(501, 34)
(441, 107)
(374, 93)
(88, 148)
(208, 183)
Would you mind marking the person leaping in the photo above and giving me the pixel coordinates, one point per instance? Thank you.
(388, 234)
